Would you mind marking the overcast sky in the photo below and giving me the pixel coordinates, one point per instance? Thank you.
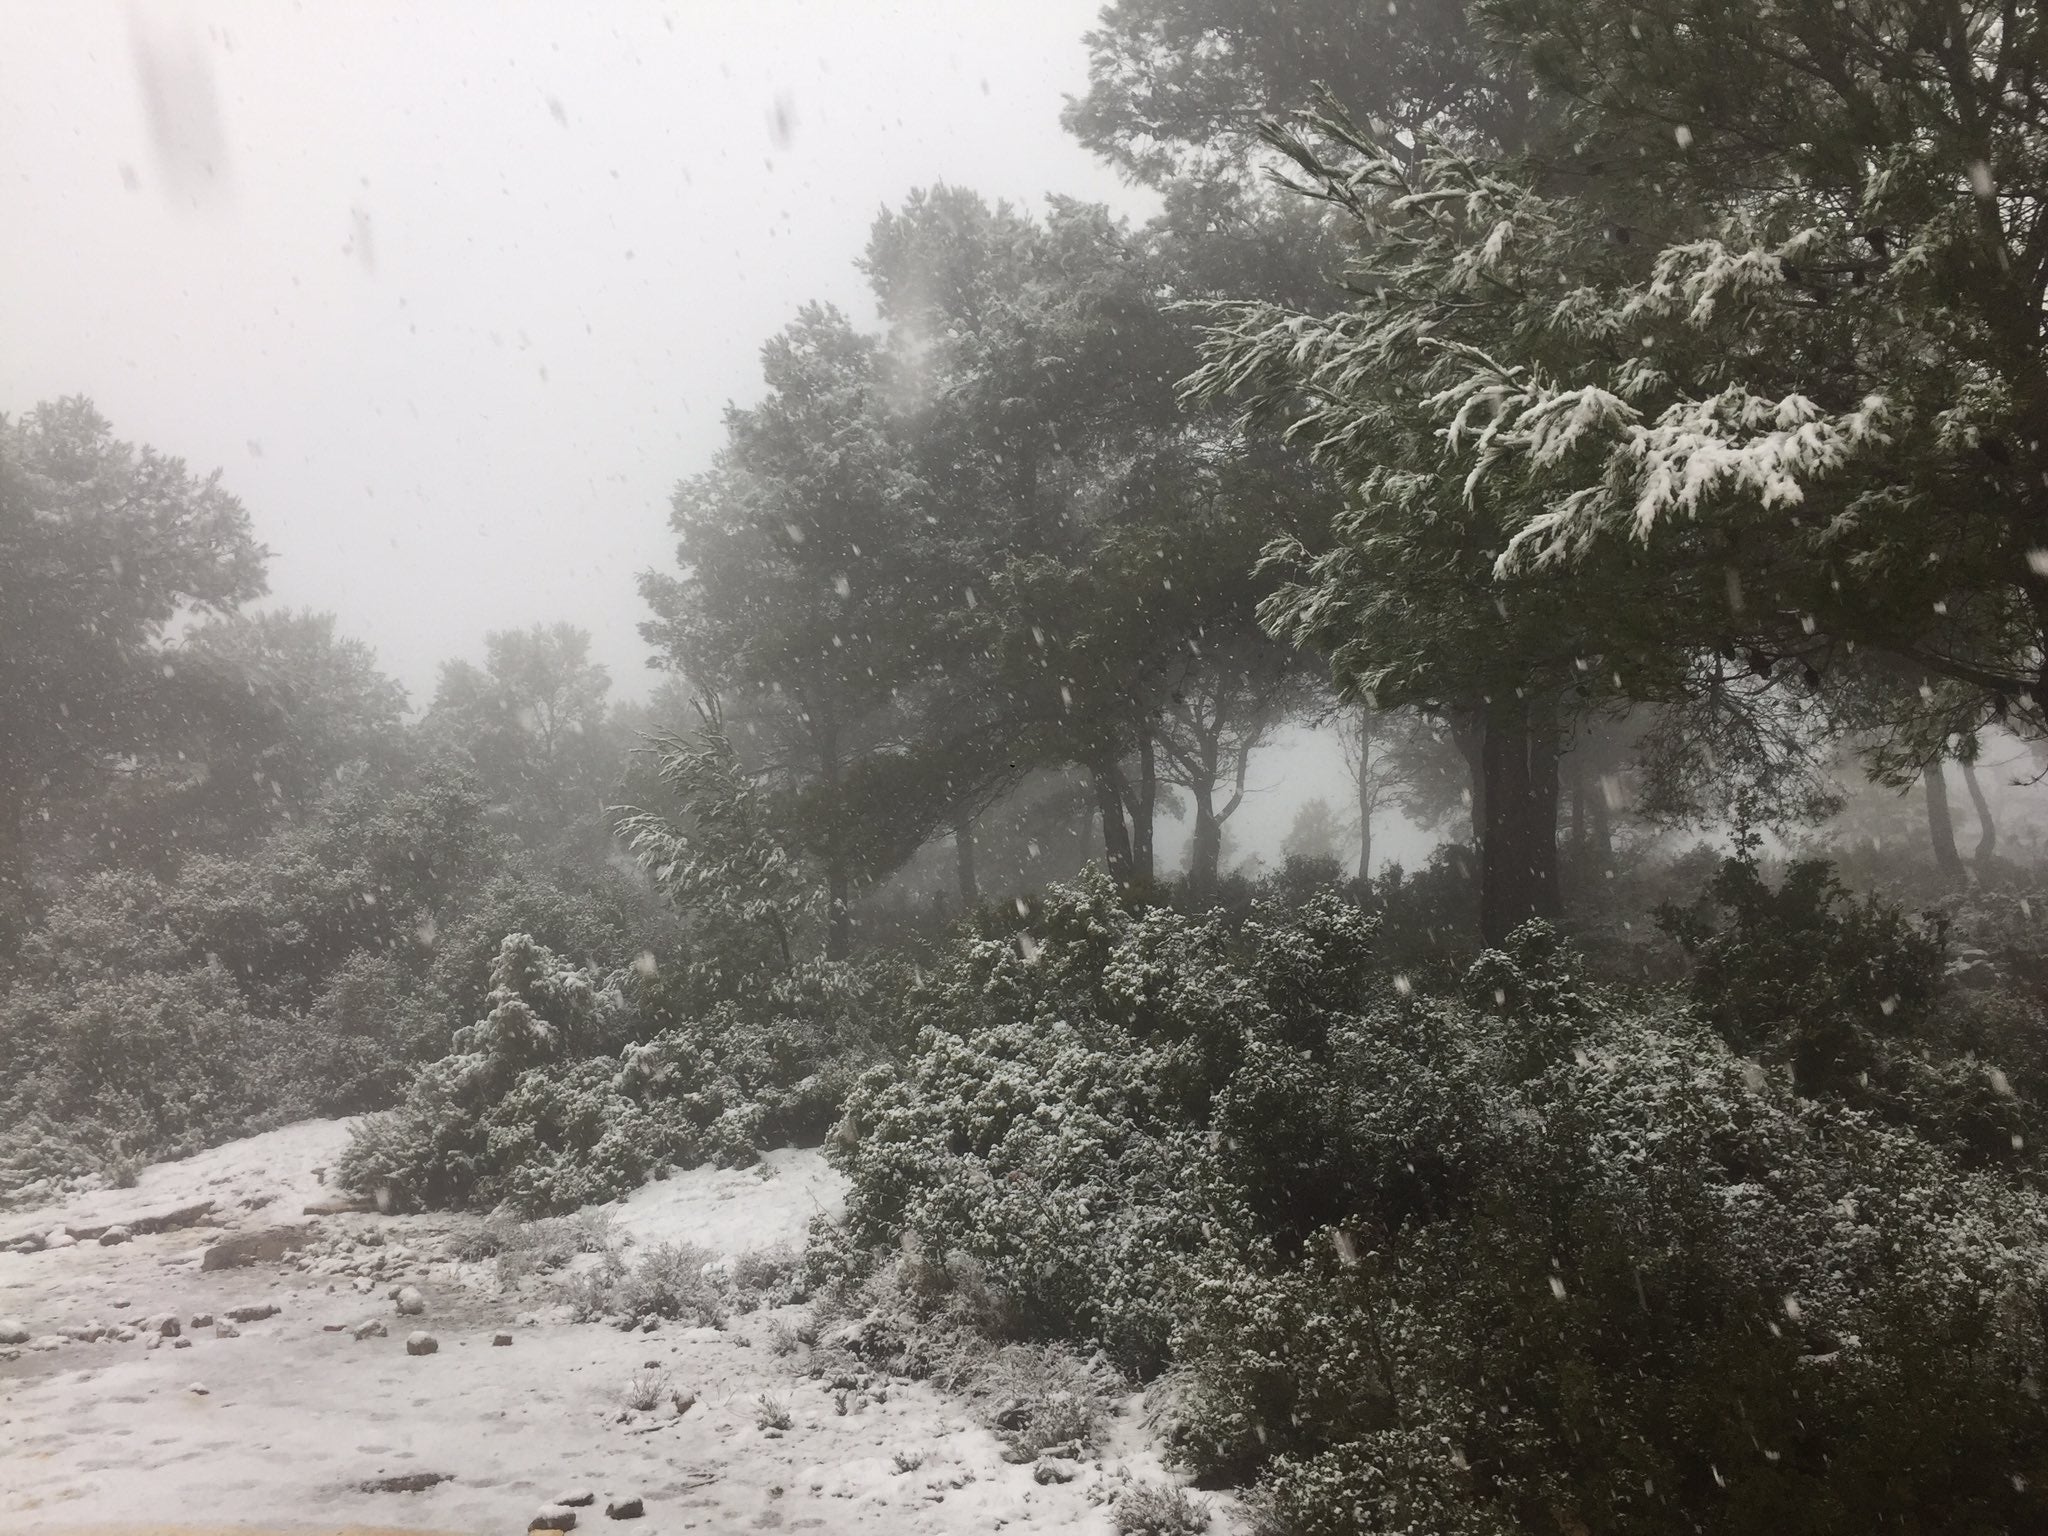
(454, 293)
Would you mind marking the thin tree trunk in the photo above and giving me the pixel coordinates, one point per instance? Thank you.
(1582, 833)
(1205, 854)
(1941, 826)
(1364, 794)
(1116, 836)
(963, 861)
(1987, 829)
(14, 876)
(1147, 802)
(839, 931)
(1518, 851)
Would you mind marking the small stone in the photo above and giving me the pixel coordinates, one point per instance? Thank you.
(1055, 1469)
(123, 1335)
(246, 1248)
(165, 1323)
(202, 1319)
(625, 1509)
(649, 1323)
(501, 1341)
(423, 1344)
(254, 1314)
(373, 1328)
(13, 1331)
(198, 1389)
(410, 1302)
(114, 1236)
(59, 1239)
(552, 1517)
(152, 1341)
(226, 1330)
(181, 1343)
(580, 1499)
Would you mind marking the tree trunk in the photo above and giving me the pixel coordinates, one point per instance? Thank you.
(1468, 735)
(1603, 828)
(1147, 802)
(1582, 833)
(1518, 849)
(963, 861)
(839, 930)
(1364, 795)
(1205, 853)
(14, 879)
(1116, 836)
(1941, 826)
(1987, 829)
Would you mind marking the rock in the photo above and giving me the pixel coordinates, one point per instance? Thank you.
(1055, 1469)
(13, 1331)
(581, 1499)
(371, 1329)
(198, 1389)
(181, 1343)
(60, 1240)
(114, 1236)
(152, 1341)
(552, 1517)
(226, 1330)
(422, 1344)
(48, 1342)
(165, 1323)
(528, 1319)
(405, 1482)
(123, 1335)
(410, 1302)
(625, 1509)
(501, 1341)
(245, 1248)
(254, 1314)
(334, 1327)
(202, 1319)
(336, 1205)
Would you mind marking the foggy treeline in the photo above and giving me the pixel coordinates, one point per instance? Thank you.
(1616, 428)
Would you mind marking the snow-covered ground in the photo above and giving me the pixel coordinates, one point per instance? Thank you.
(292, 1421)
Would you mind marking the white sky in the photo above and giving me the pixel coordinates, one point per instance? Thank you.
(454, 293)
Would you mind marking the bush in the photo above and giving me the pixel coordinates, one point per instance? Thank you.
(1535, 1256)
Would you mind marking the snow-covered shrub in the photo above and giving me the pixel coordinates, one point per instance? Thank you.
(1054, 1123)
(1524, 1254)
(1159, 1509)
(515, 1114)
(1848, 996)
(1627, 1282)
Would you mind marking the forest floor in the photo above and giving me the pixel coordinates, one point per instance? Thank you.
(292, 1422)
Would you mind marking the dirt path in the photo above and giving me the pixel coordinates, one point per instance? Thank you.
(296, 1424)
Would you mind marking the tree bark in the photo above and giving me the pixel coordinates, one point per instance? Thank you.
(1518, 849)
(1364, 794)
(1147, 802)
(963, 861)
(14, 877)
(1987, 829)
(1603, 828)
(1116, 836)
(839, 928)
(1941, 826)
(1205, 851)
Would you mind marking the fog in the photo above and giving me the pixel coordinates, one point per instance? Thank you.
(455, 294)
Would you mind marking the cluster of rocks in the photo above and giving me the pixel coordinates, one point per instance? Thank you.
(359, 1254)
(110, 1234)
(154, 1330)
(560, 1514)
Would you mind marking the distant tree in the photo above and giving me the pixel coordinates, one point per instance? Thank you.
(1316, 833)
(797, 603)
(533, 721)
(102, 547)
